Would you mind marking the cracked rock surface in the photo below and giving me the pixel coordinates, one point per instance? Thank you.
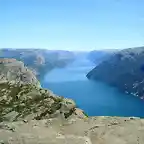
(94, 130)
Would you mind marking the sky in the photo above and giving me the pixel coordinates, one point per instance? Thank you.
(71, 24)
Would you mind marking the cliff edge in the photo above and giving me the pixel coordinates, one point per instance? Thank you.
(30, 114)
(21, 96)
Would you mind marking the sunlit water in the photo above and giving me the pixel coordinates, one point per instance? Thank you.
(95, 98)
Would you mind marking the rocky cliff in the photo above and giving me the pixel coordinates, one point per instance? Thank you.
(21, 96)
(40, 61)
(14, 71)
(97, 56)
(30, 114)
(125, 70)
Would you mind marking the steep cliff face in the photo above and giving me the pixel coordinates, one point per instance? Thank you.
(14, 71)
(40, 61)
(124, 70)
(21, 96)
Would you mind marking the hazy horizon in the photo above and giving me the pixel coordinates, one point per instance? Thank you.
(73, 25)
(79, 50)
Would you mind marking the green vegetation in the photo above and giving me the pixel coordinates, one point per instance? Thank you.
(85, 114)
(69, 113)
(22, 98)
(28, 99)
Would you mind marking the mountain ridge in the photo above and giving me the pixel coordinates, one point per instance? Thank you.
(124, 70)
(38, 60)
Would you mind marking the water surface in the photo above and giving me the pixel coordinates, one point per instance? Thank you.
(95, 98)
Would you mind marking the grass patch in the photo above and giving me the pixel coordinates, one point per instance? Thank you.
(85, 114)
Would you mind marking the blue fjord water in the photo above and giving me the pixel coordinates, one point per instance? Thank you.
(95, 98)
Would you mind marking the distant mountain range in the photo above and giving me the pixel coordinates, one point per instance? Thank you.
(40, 61)
(97, 56)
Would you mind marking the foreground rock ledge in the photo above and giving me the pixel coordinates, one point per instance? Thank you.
(94, 130)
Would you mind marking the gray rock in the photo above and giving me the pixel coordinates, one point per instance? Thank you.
(11, 116)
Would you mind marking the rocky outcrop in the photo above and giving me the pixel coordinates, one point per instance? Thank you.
(18, 102)
(21, 96)
(14, 71)
(40, 61)
(125, 70)
(95, 130)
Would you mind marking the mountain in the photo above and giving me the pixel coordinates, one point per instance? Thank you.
(124, 69)
(97, 56)
(13, 70)
(40, 61)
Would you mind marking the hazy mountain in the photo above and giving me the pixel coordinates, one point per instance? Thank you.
(97, 56)
(124, 69)
(40, 61)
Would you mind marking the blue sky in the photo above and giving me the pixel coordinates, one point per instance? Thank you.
(71, 24)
